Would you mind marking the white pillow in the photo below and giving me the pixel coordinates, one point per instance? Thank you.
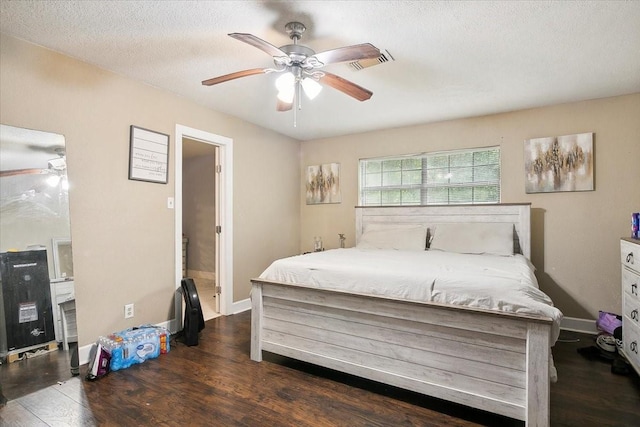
(474, 238)
(405, 238)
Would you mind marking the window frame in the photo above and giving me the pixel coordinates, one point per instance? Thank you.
(424, 187)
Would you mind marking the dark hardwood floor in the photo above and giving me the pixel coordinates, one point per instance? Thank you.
(216, 384)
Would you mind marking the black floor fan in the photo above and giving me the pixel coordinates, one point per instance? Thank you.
(193, 318)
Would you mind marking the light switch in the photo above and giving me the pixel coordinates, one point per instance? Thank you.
(170, 203)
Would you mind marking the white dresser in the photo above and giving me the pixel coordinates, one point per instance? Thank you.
(61, 290)
(630, 257)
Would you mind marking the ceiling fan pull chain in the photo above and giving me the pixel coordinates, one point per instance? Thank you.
(295, 117)
(297, 102)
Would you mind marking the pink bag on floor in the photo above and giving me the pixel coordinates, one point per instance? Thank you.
(99, 364)
(608, 322)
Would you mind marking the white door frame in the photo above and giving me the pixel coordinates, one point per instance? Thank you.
(225, 209)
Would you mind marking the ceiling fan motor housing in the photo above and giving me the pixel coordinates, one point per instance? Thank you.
(297, 53)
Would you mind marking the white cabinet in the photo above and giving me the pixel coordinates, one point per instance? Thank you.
(69, 326)
(630, 259)
(61, 290)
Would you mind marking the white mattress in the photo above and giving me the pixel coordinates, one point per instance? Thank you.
(505, 283)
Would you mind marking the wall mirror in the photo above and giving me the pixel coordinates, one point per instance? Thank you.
(34, 224)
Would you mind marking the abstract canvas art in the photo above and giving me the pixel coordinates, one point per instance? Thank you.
(559, 163)
(323, 184)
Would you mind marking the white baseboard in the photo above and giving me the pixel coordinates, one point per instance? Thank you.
(83, 355)
(574, 324)
(240, 306)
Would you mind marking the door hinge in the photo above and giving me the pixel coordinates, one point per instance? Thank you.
(218, 229)
(219, 168)
(218, 289)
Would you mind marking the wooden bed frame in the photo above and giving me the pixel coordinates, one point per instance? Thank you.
(491, 360)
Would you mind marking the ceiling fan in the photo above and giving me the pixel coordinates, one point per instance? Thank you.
(300, 65)
(56, 166)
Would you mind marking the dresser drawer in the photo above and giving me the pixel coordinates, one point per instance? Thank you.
(630, 284)
(64, 291)
(631, 311)
(631, 342)
(630, 255)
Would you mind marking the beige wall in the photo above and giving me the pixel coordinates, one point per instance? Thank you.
(575, 236)
(123, 234)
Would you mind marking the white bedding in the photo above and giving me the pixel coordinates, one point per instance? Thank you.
(505, 283)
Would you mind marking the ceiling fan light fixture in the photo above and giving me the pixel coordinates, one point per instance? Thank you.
(311, 87)
(286, 87)
(285, 81)
(286, 95)
(53, 180)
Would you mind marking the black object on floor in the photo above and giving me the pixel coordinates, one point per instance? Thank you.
(620, 366)
(193, 318)
(595, 353)
(3, 400)
(75, 366)
(26, 292)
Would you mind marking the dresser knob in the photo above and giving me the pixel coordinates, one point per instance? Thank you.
(634, 289)
(634, 347)
(634, 314)
(630, 258)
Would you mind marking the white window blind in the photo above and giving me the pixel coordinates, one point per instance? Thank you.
(447, 177)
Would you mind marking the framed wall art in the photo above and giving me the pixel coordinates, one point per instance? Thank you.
(323, 184)
(559, 163)
(148, 155)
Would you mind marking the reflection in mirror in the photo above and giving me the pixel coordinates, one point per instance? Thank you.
(62, 258)
(36, 266)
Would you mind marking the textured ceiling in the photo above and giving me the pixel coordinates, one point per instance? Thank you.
(452, 59)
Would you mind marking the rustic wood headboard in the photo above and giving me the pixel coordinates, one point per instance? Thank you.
(518, 214)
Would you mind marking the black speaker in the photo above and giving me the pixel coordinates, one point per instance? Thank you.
(27, 298)
(193, 318)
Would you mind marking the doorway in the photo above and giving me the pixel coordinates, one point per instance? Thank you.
(199, 220)
(203, 217)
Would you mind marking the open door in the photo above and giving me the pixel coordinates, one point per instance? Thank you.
(219, 222)
(200, 221)
(218, 174)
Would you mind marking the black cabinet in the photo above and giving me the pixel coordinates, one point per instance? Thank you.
(27, 299)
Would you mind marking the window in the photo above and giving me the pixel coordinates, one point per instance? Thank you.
(447, 177)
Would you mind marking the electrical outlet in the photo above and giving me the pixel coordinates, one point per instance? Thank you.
(128, 311)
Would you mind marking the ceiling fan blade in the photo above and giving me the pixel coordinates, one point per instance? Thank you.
(23, 172)
(347, 53)
(345, 86)
(232, 76)
(259, 43)
(283, 106)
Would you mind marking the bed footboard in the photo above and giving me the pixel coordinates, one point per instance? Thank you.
(494, 361)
